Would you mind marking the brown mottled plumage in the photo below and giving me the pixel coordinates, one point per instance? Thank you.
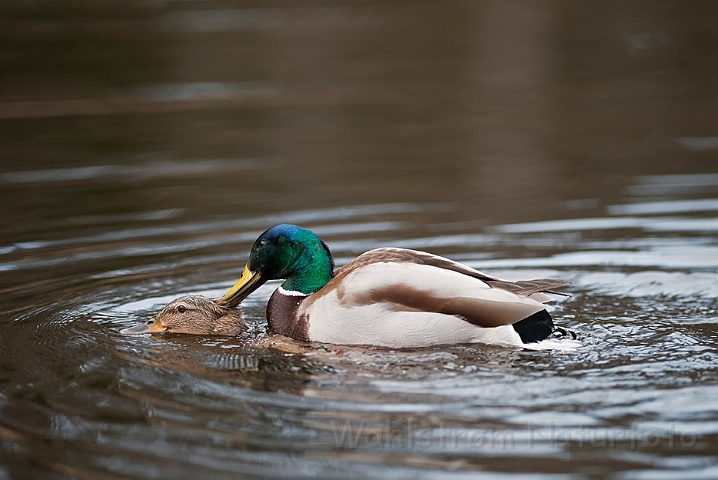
(196, 315)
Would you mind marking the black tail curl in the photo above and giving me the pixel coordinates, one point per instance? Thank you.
(535, 328)
(539, 326)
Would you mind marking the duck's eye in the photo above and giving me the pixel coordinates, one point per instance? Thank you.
(262, 242)
(181, 309)
(150, 322)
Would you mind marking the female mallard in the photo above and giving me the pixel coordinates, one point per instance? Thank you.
(194, 314)
(390, 297)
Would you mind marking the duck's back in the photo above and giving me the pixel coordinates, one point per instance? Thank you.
(404, 298)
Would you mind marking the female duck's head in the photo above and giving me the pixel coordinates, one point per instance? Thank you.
(196, 315)
(284, 252)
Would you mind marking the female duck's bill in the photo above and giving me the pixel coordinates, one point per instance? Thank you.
(196, 315)
(389, 297)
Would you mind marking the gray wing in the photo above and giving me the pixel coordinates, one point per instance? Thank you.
(524, 288)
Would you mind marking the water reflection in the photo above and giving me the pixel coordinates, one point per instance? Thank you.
(676, 206)
(675, 184)
(141, 172)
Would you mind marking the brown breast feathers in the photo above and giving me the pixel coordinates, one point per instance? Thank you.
(283, 319)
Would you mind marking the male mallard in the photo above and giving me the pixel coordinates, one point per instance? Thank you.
(194, 314)
(390, 297)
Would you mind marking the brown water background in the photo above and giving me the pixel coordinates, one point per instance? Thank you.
(145, 144)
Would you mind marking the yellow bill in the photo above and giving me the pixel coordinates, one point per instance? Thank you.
(247, 283)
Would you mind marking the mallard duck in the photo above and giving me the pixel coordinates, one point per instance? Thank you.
(392, 297)
(194, 314)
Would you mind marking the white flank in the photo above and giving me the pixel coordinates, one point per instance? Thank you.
(354, 320)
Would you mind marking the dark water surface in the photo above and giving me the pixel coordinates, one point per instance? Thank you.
(145, 145)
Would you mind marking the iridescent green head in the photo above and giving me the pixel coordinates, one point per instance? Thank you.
(285, 252)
